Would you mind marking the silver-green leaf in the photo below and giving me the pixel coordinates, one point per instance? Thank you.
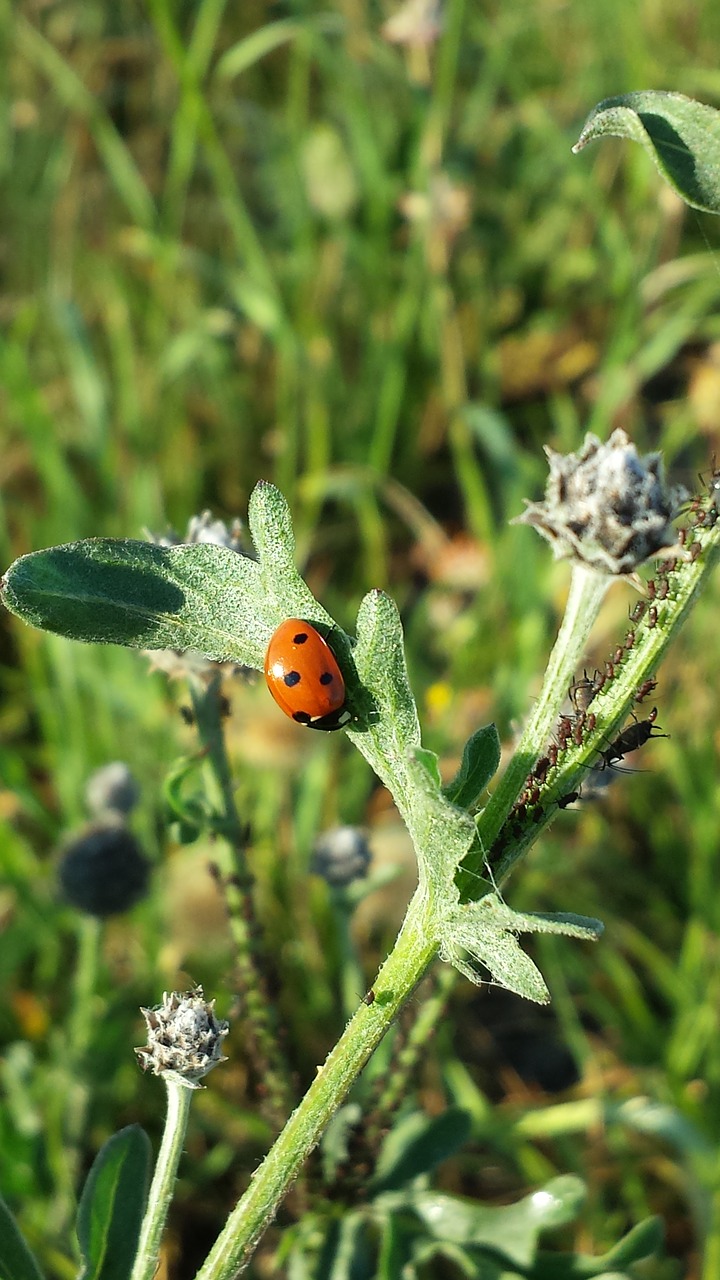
(681, 136)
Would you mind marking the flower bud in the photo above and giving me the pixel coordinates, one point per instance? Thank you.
(605, 506)
(111, 789)
(184, 1037)
(103, 870)
(341, 855)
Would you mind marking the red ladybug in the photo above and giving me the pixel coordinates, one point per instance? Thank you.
(304, 678)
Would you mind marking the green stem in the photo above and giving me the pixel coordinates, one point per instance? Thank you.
(397, 979)
(587, 590)
(237, 882)
(179, 1096)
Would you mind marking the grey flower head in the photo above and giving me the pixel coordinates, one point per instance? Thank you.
(102, 869)
(605, 506)
(184, 1038)
(341, 855)
(203, 528)
(112, 788)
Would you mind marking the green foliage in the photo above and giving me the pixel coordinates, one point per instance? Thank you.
(16, 1260)
(181, 315)
(112, 1205)
(681, 136)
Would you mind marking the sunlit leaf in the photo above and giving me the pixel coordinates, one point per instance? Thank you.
(682, 137)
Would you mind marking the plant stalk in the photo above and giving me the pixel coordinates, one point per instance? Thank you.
(179, 1097)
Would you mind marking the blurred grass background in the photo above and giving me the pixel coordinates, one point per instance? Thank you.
(350, 251)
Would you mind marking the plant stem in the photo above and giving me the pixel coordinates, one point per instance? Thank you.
(179, 1096)
(397, 979)
(262, 1043)
(587, 590)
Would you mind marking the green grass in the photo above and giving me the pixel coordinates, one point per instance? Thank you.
(207, 279)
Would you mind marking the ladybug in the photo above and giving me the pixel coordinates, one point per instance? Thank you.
(304, 678)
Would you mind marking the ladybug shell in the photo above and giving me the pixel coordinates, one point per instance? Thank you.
(304, 678)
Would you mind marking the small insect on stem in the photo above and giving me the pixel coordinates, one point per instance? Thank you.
(631, 739)
(565, 801)
(645, 689)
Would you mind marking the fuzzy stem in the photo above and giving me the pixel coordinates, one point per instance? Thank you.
(587, 591)
(397, 979)
(179, 1097)
(237, 888)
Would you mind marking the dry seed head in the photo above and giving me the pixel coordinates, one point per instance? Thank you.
(605, 506)
(184, 1038)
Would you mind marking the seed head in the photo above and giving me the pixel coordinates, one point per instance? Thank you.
(184, 1038)
(341, 855)
(605, 506)
(111, 789)
(103, 870)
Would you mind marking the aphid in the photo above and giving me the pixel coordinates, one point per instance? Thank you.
(581, 694)
(631, 738)
(304, 678)
(652, 617)
(618, 656)
(564, 731)
(541, 769)
(552, 754)
(570, 798)
(646, 688)
(591, 722)
(650, 588)
(681, 536)
(663, 589)
(609, 670)
(629, 640)
(636, 614)
(369, 997)
(695, 550)
(599, 680)
(533, 795)
(578, 728)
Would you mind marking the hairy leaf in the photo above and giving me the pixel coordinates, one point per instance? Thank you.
(681, 136)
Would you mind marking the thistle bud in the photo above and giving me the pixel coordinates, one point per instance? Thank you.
(103, 870)
(341, 855)
(184, 1038)
(111, 789)
(605, 506)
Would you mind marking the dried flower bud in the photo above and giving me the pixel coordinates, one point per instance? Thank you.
(606, 506)
(341, 855)
(111, 789)
(203, 528)
(184, 1038)
(103, 870)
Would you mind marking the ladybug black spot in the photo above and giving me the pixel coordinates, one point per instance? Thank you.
(291, 678)
(326, 677)
(300, 637)
(302, 717)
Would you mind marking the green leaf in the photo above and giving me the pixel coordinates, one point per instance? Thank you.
(511, 1230)
(113, 591)
(348, 1252)
(681, 136)
(112, 1205)
(279, 583)
(417, 1144)
(16, 1260)
(486, 931)
(334, 1145)
(480, 762)
(441, 833)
